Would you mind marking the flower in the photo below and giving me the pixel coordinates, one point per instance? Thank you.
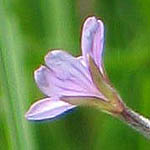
(69, 81)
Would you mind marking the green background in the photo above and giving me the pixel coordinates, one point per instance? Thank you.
(29, 29)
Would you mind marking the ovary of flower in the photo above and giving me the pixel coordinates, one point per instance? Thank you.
(68, 81)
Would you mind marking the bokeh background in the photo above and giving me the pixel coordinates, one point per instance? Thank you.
(29, 29)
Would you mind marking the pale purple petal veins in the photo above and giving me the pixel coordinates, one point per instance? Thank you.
(53, 84)
(63, 63)
(92, 40)
(66, 71)
(48, 108)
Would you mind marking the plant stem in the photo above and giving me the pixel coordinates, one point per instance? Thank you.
(136, 121)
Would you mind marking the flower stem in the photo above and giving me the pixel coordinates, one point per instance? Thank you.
(136, 121)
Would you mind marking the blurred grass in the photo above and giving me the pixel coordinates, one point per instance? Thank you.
(28, 29)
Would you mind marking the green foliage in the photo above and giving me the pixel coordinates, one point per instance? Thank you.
(29, 29)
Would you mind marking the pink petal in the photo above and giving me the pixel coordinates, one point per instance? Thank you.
(64, 76)
(62, 62)
(47, 108)
(93, 40)
(53, 84)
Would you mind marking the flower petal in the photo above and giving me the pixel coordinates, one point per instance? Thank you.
(48, 108)
(52, 84)
(59, 60)
(65, 76)
(93, 40)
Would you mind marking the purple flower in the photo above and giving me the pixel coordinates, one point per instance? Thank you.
(69, 81)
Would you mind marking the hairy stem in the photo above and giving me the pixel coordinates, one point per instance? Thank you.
(136, 121)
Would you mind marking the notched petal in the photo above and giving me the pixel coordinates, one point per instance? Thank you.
(93, 40)
(68, 76)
